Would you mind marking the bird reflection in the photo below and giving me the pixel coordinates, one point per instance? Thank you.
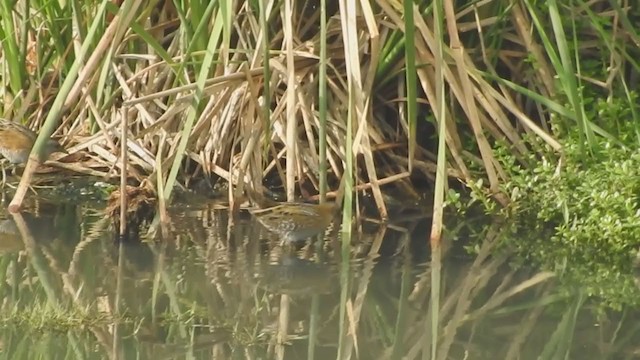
(295, 276)
(40, 228)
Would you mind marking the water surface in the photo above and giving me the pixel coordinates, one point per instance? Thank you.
(222, 287)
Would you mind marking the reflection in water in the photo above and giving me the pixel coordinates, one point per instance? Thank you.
(295, 276)
(222, 287)
(41, 228)
(10, 239)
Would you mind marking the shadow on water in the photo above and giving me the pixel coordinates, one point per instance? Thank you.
(225, 289)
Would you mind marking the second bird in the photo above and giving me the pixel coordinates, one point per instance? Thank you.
(16, 142)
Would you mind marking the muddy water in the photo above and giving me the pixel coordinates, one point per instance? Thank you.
(222, 287)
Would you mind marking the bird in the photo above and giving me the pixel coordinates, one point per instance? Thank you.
(16, 142)
(295, 221)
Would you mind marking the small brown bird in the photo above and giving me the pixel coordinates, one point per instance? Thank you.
(16, 142)
(296, 221)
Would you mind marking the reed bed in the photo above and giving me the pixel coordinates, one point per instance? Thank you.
(246, 93)
(307, 97)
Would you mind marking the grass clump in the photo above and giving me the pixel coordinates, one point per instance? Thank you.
(43, 318)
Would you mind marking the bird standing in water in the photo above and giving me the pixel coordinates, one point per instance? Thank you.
(292, 221)
(16, 142)
(296, 221)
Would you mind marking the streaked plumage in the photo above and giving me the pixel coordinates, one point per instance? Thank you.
(17, 140)
(296, 221)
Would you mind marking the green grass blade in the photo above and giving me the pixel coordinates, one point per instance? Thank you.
(16, 68)
(410, 72)
(207, 65)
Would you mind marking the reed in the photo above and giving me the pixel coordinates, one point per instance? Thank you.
(199, 74)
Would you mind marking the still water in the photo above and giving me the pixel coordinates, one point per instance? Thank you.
(217, 287)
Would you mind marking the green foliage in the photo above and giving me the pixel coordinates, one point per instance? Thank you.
(579, 216)
(616, 115)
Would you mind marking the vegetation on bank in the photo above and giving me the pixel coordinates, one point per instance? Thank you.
(579, 216)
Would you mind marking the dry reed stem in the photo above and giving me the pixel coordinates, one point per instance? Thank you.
(291, 127)
(156, 93)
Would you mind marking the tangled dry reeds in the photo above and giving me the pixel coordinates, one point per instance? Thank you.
(299, 96)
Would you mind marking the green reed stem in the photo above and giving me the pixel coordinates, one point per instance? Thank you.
(55, 112)
(8, 34)
(207, 64)
(410, 73)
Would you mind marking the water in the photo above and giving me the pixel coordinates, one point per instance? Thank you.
(222, 288)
